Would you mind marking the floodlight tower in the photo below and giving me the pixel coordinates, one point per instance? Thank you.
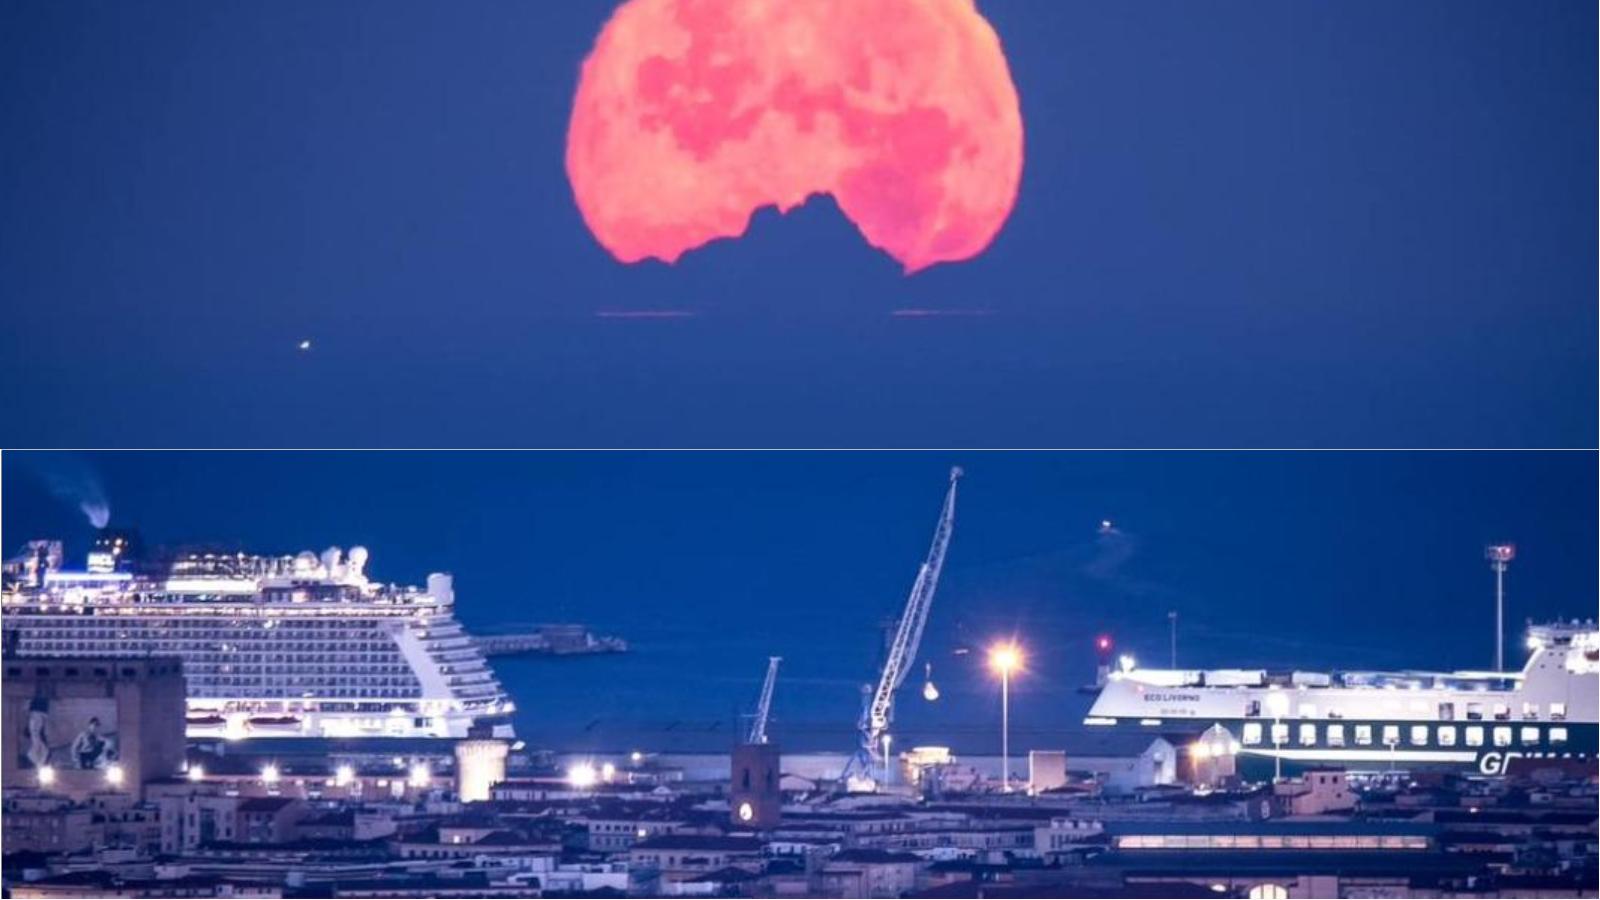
(1172, 623)
(1499, 557)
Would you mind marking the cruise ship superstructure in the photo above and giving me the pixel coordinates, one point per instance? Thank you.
(281, 646)
(1376, 720)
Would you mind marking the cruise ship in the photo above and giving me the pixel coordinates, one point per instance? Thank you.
(1478, 721)
(272, 646)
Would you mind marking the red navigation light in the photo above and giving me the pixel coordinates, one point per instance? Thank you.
(1103, 643)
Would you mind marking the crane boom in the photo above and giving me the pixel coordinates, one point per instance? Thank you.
(879, 711)
(758, 728)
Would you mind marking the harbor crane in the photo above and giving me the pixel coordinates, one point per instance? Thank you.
(758, 728)
(871, 759)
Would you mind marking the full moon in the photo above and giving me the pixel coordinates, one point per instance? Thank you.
(692, 114)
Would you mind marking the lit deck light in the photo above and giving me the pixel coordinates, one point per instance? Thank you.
(421, 777)
(1199, 750)
(1127, 662)
(47, 775)
(270, 773)
(197, 772)
(114, 775)
(608, 771)
(581, 776)
(343, 775)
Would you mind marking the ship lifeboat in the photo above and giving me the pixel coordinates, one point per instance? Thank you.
(274, 724)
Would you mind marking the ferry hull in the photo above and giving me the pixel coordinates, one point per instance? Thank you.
(1262, 761)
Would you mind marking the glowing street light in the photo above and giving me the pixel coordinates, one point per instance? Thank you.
(1003, 658)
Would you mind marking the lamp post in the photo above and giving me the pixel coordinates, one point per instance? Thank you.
(1499, 557)
(1003, 658)
(1172, 620)
(1278, 705)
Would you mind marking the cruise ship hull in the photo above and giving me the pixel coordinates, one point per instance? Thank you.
(301, 646)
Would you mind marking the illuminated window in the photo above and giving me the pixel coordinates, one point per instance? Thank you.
(1447, 735)
(1530, 734)
(1391, 735)
(1558, 735)
(1558, 712)
(1280, 733)
(1363, 734)
(1335, 735)
(1308, 735)
(1502, 737)
(1252, 732)
(1475, 736)
(1419, 735)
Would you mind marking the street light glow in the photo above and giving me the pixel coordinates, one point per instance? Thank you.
(1005, 658)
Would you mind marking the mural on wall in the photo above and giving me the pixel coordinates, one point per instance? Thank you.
(74, 733)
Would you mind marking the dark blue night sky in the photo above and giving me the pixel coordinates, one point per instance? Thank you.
(709, 563)
(1241, 223)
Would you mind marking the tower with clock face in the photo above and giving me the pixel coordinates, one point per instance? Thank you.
(755, 800)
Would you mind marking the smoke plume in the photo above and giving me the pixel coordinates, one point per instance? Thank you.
(73, 480)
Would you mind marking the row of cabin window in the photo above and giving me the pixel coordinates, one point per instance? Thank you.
(1446, 735)
(1447, 711)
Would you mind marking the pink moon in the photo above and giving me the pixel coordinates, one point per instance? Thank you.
(692, 114)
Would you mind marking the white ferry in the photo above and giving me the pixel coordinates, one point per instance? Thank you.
(272, 646)
(1375, 720)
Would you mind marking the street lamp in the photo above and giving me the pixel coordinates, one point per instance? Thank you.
(1499, 557)
(1003, 658)
(1278, 705)
(1172, 622)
